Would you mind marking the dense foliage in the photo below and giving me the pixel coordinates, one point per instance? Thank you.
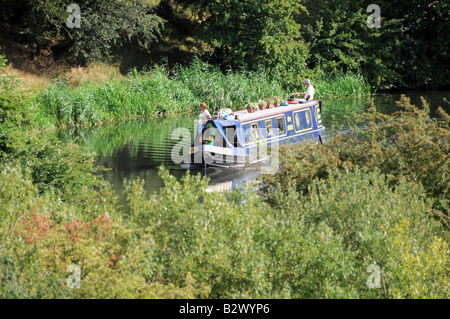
(313, 246)
(408, 50)
(253, 33)
(106, 27)
(7, 81)
(371, 198)
(376, 197)
(408, 144)
(292, 39)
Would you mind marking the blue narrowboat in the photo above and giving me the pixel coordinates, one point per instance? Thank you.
(236, 139)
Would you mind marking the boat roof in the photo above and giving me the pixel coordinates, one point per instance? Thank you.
(225, 123)
(243, 116)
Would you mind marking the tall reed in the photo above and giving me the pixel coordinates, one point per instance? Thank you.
(163, 91)
(348, 84)
(231, 89)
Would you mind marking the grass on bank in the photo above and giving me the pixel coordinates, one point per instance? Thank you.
(36, 81)
(163, 91)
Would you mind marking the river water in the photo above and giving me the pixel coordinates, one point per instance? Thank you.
(136, 148)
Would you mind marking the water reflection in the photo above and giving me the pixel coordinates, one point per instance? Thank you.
(136, 148)
(385, 102)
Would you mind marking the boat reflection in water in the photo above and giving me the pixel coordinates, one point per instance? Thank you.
(226, 180)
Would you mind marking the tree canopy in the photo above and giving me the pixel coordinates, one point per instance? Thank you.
(105, 26)
(288, 38)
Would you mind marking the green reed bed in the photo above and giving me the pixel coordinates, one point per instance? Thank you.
(348, 84)
(146, 94)
(233, 89)
(161, 91)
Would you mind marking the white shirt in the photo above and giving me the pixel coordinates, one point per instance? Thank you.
(204, 116)
(310, 92)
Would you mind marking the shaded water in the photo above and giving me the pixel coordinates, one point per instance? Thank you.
(136, 148)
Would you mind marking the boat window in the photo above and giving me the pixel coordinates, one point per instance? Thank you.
(308, 119)
(269, 127)
(297, 121)
(280, 125)
(255, 135)
(303, 120)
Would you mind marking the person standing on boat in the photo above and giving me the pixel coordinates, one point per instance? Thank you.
(204, 114)
(309, 94)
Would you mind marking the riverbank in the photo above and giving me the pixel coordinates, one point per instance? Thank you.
(162, 91)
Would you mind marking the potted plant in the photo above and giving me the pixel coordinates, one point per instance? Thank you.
(251, 107)
(277, 101)
(261, 105)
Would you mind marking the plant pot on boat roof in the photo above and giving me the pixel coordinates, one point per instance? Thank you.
(251, 107)
(277, 101)
(261, 105)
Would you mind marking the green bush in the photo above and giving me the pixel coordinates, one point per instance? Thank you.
(185, 242)
(407, 144)
(42, 235)
(374, 224)
(7, 81)
(213, 240)
(313, 246)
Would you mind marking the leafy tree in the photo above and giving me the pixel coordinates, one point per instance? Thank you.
(109, 26)
(106, 26)
(408, 50)
(252, 33)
